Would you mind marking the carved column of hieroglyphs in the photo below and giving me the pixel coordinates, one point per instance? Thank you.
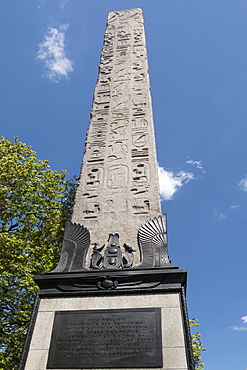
(118, 188)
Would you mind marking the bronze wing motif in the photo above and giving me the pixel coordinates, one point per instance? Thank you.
(152, 240)
(76, 242)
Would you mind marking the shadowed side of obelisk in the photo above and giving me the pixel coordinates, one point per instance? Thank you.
(118, 189)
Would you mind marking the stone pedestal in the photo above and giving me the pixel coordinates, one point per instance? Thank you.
(156, 289)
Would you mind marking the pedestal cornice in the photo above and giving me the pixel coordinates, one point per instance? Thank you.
(111, 282)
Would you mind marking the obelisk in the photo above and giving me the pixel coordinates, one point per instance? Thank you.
(118, 188)
(114, 301)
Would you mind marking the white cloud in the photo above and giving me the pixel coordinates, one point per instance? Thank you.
(225, 213)
(219, 214)
(40, 5)
(52, 52)
(171, 182)
(198, 164)
(244, 318)
(243, 184)
(235, 206)
(64, 3)
(239, 328)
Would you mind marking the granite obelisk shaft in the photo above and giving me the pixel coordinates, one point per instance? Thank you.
(118, 188)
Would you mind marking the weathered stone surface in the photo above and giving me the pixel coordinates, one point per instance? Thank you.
(173, 346)
(42, 331)
(121, 301)
(37, 360)
(118, 188)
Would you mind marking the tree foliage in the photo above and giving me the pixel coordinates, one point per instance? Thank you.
(35, 201)
(197, 346)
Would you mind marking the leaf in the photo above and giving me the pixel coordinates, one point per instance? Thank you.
(197, 345)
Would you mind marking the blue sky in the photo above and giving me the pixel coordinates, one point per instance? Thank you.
(197, 54)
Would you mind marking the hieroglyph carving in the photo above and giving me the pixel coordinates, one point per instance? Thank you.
(117, 177)
(120, 149)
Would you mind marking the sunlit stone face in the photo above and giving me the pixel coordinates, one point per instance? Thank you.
(118, 189)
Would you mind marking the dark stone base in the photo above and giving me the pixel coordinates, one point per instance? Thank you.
(111, 281)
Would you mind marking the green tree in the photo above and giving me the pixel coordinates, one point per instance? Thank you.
(35, 201)
(197, 346)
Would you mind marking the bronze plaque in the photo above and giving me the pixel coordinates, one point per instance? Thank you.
(98, 339)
